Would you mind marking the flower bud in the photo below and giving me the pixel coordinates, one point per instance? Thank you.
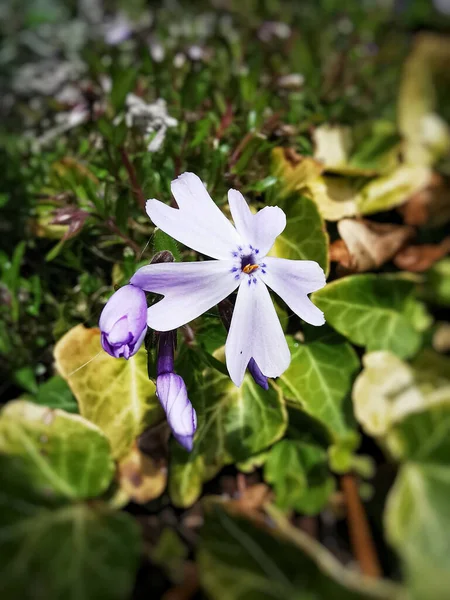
(123, 322)
(181, 416)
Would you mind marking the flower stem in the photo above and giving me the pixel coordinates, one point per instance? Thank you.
(360, 535)
(135, 187)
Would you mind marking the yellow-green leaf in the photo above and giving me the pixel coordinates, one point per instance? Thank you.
(62, 454)
(114, 393)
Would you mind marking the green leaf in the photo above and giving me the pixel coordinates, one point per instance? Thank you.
(417, 517)
(375, 311)
(162, 241)
(123, 83)
(63, 455)
(186, 476)
(25, 377)
(242, 558)
(417, 522)
(55, 393)
(233, 424)
(66, 551)
(300, 476)
(424, 436)
(115, 394)
(320, 377)
(305, 236)
(437, 283)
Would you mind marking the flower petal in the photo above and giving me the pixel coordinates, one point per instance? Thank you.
(198, 222)
(256, 333)
(292, 280)
(189, 290)
(259, 230)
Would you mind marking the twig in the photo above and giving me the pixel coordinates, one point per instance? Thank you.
(242, 144)
(135, 187)
(360, 535)
(114, 229)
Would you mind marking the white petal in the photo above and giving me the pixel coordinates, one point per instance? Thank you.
(292, 280)
(258, 230)
(198, 222)
(255, 332)
(189, 289)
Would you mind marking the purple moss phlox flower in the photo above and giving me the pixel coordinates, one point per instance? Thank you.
(123, 322)
(191, 288)
(172, 393)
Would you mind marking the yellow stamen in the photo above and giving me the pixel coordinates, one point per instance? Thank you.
(249, 269)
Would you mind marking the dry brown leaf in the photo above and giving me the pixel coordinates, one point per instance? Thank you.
(441, 338)
(430, 206)
(141, 477)
(421, 258)
(340, 253)
(369, 244)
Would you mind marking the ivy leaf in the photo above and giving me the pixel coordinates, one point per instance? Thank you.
(62, 551)
(241, 557)
(115, 394)
(233, 424)
(299, 474)
(363, 150)
(320, 377)
(305, 236)
(417, 517)
(388, 389)
(63, 455)
(379, 312)
(339, 196)
(392, 189)
(417, 522)
(141, 478)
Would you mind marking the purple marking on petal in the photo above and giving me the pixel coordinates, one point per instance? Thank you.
(249, 281)
(254, 280)
(262, 271)
(234, 269)
(237, 276)
(257, 375)
(256, 251)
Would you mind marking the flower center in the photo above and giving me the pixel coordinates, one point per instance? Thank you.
(250, 268)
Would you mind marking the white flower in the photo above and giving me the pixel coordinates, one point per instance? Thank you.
(149, 118)
(192, 288)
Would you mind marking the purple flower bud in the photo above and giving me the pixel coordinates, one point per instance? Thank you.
(255, 372)
(123, 322)
(181, 416)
